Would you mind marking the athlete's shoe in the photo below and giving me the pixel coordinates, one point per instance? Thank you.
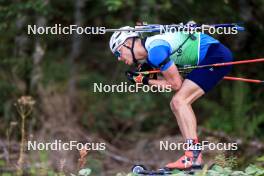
(192, 159)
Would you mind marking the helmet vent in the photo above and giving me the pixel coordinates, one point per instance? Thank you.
(113, 45)
(118, 34)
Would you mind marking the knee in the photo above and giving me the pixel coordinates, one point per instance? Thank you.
(177, 102)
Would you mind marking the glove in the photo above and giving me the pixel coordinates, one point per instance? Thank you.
(136, 78)
(146, 67)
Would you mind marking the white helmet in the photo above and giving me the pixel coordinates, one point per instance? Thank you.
(119, 37)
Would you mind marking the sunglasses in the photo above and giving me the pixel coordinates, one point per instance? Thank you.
(117, 54)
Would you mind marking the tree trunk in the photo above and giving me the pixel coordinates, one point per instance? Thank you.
(38, 54)
(20, 52)
(75, 51)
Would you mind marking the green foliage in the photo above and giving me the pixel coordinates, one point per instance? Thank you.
(85, 172)
(234, 111)
(7, 174)
(55, 72)
(124, 108)
(10, 11)
(254, 170)
(260, 159)
(113, 5)
(94, 166)
(224, 161)
(2, 163)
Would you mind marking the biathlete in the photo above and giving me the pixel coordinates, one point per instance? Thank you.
(167, 51)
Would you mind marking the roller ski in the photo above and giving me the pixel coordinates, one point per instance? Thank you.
(189, 163)
(142, 170)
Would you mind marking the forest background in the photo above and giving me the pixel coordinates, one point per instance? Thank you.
(58, 72)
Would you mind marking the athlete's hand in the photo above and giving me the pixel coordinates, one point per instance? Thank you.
(136, 78)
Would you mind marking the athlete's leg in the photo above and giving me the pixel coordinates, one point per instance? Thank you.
(182, 109)
(197, 83)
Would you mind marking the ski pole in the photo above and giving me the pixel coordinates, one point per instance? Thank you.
(227, 63)
(210, 65)
(244, 80)
(218, 65)
(225, 78)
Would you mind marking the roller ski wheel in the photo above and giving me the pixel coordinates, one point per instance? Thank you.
(136, 169)
(142, 170)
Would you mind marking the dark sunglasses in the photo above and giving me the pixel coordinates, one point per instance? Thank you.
(117, 54)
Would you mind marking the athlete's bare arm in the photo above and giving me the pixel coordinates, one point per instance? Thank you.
(171, 77)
